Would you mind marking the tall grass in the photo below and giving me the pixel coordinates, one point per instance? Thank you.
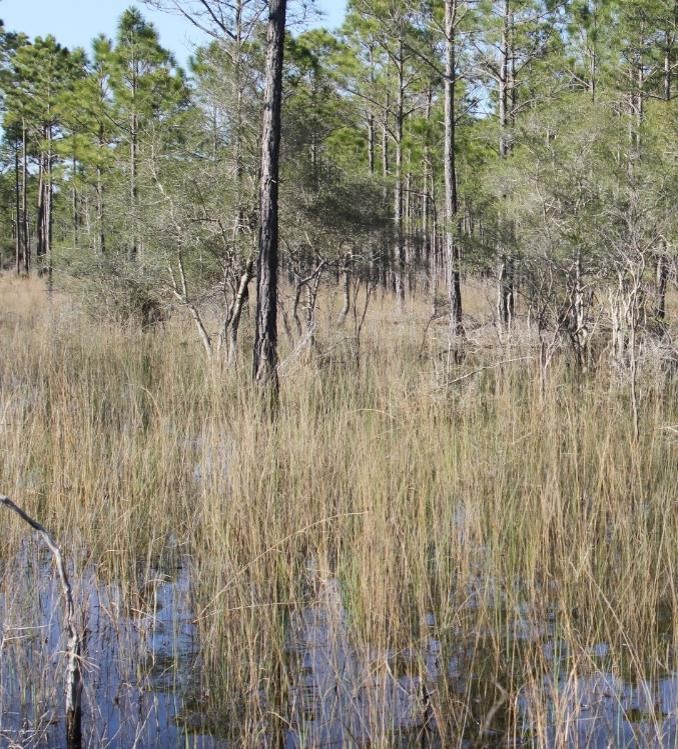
(496, 542)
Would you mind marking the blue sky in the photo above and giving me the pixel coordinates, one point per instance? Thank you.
(76, 22)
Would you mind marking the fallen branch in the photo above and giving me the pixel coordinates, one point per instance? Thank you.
(482, 369)
(73, 678)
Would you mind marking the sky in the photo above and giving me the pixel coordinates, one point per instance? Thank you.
(75, 23)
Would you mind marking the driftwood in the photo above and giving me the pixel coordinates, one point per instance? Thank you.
(73, 677)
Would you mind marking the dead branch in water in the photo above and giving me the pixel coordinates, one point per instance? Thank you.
(73, 678)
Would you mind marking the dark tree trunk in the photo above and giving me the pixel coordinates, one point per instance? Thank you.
(24, 200)
(134, 188)
(101, 239)
(398, 204)
(266, 334)
(505, 291)
(40, 228)
(49, 213)
(662, 269)
(18, 244)
(451, 199)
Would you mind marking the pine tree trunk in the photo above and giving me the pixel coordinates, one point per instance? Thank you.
(134, 188)
(667, 67)
(385, 160)
(662, 270)
(505, 290)
(399, 257)
(408, 249)
(425, 199)
(74, 202)
(24, 200)
(451, 201)
(40, 213)
(243, 248)
(237, 82)
(18, 247)
(49, 213)
(371, 127)
(101, 235)
(266, 335)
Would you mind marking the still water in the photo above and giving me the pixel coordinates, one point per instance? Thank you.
(142, 676)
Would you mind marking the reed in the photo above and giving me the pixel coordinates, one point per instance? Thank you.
(495, 553)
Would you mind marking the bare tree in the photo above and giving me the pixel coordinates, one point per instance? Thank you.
(219, 19)
(74, 646)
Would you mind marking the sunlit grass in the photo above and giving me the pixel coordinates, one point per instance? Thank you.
(523, 529)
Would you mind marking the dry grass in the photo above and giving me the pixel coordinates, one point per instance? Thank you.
(498, 544)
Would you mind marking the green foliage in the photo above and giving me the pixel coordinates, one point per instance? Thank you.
(152, 170)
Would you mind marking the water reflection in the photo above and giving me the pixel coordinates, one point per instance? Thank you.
(140, 660)
(343, 695)
(143, 686)
(601, 711)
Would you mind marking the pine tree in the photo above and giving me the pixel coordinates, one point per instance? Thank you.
(147, 87)
(266, 333)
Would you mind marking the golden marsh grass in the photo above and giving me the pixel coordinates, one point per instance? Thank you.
(501, 556)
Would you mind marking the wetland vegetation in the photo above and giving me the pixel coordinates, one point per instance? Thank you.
(342, 366)
(391, 557)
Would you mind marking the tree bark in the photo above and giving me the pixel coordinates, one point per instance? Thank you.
(101, 235)
(662, 270)
(49, 213)
(451, 199)
(18, 246)
(24, 199)
(668, 50)
(399, 254)
(74, 201)
(237, 81)
(346, 306)
(505, 291)
(235, 314)
(425, 199)
(385, 160)
(40, 228)
(266, 334)
(133, 187)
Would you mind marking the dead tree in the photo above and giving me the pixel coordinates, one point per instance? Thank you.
(73, 647)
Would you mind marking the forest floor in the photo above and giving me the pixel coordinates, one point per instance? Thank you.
(419, 549)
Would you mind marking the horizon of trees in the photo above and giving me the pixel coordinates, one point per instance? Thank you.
(533, 143)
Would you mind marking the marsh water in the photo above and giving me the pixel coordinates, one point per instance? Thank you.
(143, 685)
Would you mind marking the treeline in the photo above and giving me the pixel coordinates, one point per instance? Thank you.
(533, 143)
